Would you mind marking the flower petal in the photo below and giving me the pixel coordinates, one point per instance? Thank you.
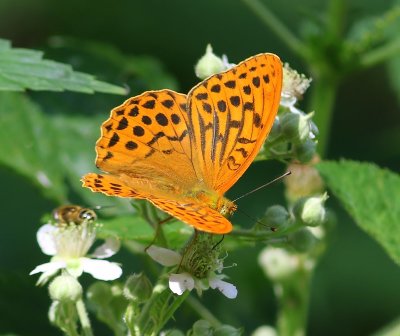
(224, 287)
(109, 248)
(45, 239)
(164, 256)
(52, 267)
(178, 283)
(101, 269)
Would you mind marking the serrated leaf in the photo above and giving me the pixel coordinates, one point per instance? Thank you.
(371, 196)
(140, 73)
(22, 69)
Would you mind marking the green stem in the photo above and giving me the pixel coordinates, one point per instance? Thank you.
(380, 54)
(203, 312)
(159, 309)
(277, 26)
(83, 317)
(293, 298)
(335, 18)
(323, 98)
(70, 325)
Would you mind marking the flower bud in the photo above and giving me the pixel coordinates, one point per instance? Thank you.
(209, 64)
(277, 218)
(265, 331)
(311, 211)
(138, 288)
(277, 263)
(304, 180)
(302, 240)
(276, 130)
(295, 127)
(65, 288)
(100, 293)
(304, 152)
(227, 330)
(202, 327)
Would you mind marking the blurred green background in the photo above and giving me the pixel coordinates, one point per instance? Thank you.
(355, 288)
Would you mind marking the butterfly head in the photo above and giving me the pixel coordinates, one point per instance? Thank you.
(225, 207)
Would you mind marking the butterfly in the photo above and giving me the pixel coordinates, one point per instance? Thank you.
(183, 152)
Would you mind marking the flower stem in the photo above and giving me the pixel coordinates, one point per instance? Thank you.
(293, 297)
(159, 309)
(203, 311)
(84, 318)
(380, 54)
(277, 26)
(323, 98)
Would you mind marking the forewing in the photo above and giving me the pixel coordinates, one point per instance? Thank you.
(230, 115)
(147, 138)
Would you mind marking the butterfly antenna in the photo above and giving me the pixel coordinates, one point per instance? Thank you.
(264, 185)
(256, 220)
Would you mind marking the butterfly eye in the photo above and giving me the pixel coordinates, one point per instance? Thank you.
(87, 215)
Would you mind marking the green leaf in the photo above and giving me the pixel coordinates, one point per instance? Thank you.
(371, 196)
(76, 138)
(22, 69)
(134, 227)
(50, 150)
(139, 73)
(28, 144)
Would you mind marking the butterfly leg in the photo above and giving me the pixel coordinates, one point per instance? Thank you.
(157, 233)
(216, 245)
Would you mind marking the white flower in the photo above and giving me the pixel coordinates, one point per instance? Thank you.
(294, 86)
(69, 245)
(180, 282)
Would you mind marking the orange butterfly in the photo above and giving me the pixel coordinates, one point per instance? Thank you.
(182, 153)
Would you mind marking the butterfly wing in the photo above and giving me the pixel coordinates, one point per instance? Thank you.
(146, 138)
(190, 211)
(146, 148)
(230, 115)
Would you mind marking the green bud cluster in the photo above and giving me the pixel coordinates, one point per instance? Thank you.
(296, 129)
(306, 212)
